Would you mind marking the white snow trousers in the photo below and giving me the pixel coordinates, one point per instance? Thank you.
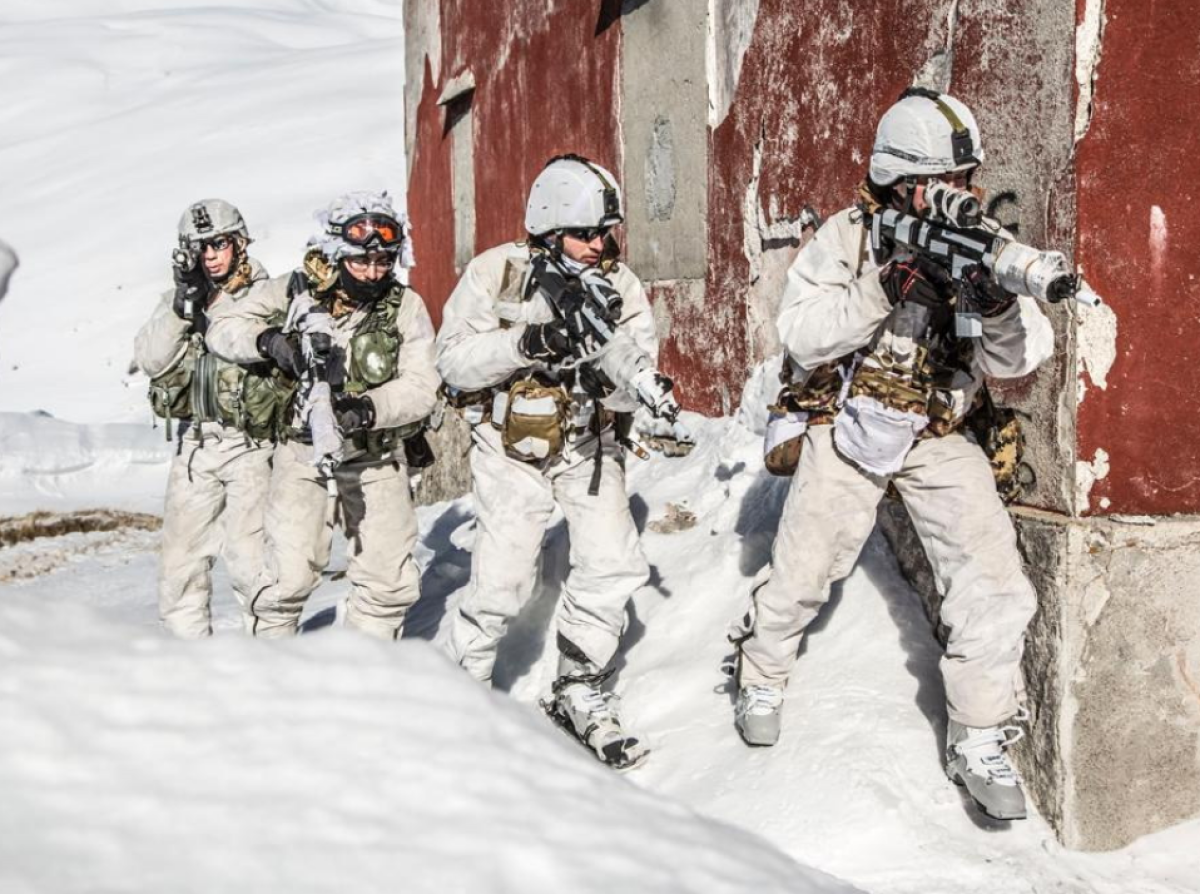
(216, 490)
(374, 507)
(949, 491)
(514, 501)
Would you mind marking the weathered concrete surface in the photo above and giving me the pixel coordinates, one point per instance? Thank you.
(1112, 669)
(1138, 228)
(422, 47)
(665, 128)
(450, 475)
(1013, 63)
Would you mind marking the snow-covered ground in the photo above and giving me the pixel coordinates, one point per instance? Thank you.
(131, 762)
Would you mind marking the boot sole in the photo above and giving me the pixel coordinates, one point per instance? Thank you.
(751, 742)
(620, 757)
(957, 780)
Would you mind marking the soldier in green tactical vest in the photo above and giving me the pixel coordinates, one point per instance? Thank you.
(361, 345)
(225, 417)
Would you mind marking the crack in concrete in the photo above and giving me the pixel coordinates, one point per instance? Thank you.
(1181, 663)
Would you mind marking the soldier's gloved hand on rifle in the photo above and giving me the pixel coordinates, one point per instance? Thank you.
(546, 342)
(191, 285)
(918, 280)
(273, 345)
(984, 293)
(594, 382)
(354, 412)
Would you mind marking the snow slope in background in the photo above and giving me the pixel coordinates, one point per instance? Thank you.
(117, 115)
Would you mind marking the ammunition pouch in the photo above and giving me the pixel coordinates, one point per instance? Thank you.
(266, 401)
(532, 418)
(473, 406)
(253, 399)
(171, 390)
(798, 406)
(998, 432)
(418, 453)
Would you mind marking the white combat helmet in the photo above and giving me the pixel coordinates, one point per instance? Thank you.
(572, 192)
(363, 221)
(923, 135)
(210, 218)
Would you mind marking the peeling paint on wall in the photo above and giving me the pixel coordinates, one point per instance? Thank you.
(938, 70)
(1089, 41)
(1158, 244)
(1096, 347)
(730, 29)
(1086, 476)
(770, 241)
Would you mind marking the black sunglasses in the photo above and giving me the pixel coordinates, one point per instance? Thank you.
(587, 234)
(219, 243)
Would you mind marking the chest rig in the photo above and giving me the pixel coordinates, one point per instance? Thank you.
(371, 354)
(201, 387)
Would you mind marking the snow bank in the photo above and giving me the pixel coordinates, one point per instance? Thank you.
(46, 463)
(331, 763)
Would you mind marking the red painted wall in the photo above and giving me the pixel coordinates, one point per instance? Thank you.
(1140, 154)
(814, 114)
(547, 80)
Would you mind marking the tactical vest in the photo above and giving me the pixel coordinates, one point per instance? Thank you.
(201, 387)
(922, 385)
(372, 358)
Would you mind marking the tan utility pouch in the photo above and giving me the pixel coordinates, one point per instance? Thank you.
(783, 439)
(532, 420)
(799, 405)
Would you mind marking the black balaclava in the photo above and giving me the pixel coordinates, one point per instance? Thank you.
(363, 292)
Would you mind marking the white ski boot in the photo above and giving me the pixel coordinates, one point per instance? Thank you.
(580, 707)
(976, 758)
(757, 715)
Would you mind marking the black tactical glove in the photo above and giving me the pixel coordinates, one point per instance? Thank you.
(594, 382)
(191, 285)
(984, 293)
(281, 350)
(545, 342)
(355, 412)
(918, 280)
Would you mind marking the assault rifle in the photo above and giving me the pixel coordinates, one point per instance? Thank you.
(952, 236)
(591, 308)
(313, 324)
(186, 259)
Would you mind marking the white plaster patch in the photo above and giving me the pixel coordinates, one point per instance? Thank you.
(1158, 241)
(938, 70)
(730, 30)
(1089, 42)
(1096, 347)
(1086, 476)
